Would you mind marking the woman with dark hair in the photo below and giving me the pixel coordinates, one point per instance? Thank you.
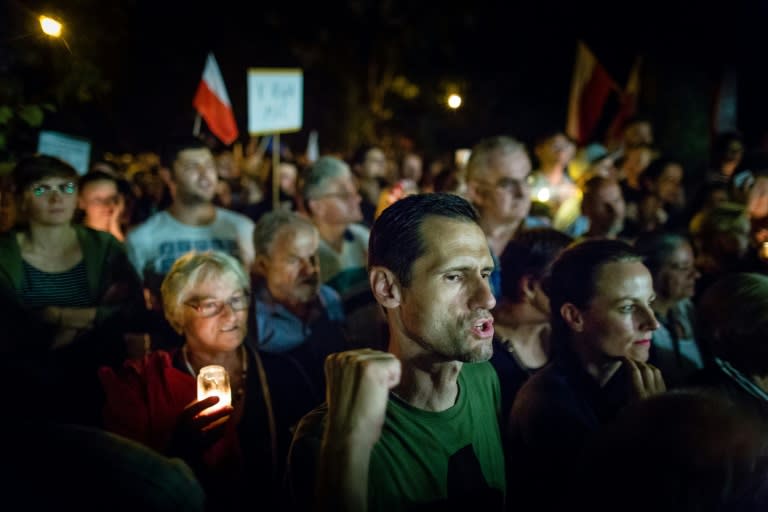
(662, 201)
(725, 158)
(674, 350)
(67, 291)
(600, 295)
(521, 318)
(287, 181)
(101, 202)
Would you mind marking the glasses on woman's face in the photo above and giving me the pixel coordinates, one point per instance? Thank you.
(42, 189)
(207, 308)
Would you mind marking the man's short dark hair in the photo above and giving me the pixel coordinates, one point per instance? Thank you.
(173, 147)
(396, 239)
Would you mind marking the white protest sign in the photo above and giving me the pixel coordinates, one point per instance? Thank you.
(75, 151)
(275, 100)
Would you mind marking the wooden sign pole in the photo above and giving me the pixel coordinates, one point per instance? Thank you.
(276, 171)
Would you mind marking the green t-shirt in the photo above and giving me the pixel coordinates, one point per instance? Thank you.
(427, 460)
(436, 458)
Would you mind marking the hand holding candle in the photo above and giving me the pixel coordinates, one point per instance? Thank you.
(196, 429)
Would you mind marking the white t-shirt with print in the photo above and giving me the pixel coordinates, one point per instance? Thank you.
(156, 244)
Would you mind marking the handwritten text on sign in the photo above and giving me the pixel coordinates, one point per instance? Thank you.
(275, 100)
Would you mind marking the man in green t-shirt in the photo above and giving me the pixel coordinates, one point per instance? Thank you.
(414, 427)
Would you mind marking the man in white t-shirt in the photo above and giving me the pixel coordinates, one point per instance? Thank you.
(192, 222)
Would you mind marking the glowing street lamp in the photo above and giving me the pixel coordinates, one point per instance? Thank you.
(454, 101)
(50, 26)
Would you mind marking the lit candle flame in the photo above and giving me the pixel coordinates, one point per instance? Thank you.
(213, 380)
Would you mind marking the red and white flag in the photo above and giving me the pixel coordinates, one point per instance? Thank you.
(590, 87)
(212, 103)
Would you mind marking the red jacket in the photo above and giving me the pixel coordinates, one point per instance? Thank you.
(144, 399)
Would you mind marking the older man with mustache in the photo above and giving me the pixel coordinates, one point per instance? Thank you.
(294, 313)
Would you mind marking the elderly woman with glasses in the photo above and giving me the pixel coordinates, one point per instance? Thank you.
(670, 259)
(236, 450)
(67, 292)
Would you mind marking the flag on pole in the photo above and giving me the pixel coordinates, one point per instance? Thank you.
(313, 148)
(726, 104)
(590, 87)
(627, 106)
(212, 103)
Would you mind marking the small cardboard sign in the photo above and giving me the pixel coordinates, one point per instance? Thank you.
(275, 100)
(75, 151)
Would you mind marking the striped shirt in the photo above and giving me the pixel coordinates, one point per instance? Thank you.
(63, 289)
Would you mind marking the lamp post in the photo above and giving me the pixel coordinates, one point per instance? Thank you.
(454, 101)
(50, 26)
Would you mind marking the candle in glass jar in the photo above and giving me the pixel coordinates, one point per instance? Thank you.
(213, 380)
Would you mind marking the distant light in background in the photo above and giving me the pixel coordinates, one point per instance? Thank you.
(543, 195)
(454, 101)
(50, 26)
(461, 157)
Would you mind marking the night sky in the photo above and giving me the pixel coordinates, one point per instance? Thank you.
(514, 61)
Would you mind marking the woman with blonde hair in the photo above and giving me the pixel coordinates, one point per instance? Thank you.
(236, 450)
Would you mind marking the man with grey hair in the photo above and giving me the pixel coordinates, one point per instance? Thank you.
(332, 201)
(497, 185)
(330, 197)
(293, 313)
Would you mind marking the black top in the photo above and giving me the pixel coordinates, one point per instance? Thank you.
(512, 375)
(554, 417)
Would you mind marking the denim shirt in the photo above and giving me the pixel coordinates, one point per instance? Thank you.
(279, 330)
(530, 222)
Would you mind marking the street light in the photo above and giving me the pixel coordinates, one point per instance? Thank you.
(50, 26)
(454, 101)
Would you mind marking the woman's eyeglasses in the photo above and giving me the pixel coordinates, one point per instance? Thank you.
(68, 189)
(208, 307)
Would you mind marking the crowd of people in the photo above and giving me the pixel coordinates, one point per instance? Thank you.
(536, 327)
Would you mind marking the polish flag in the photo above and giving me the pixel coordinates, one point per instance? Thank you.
(590, 87)
(212, 103)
